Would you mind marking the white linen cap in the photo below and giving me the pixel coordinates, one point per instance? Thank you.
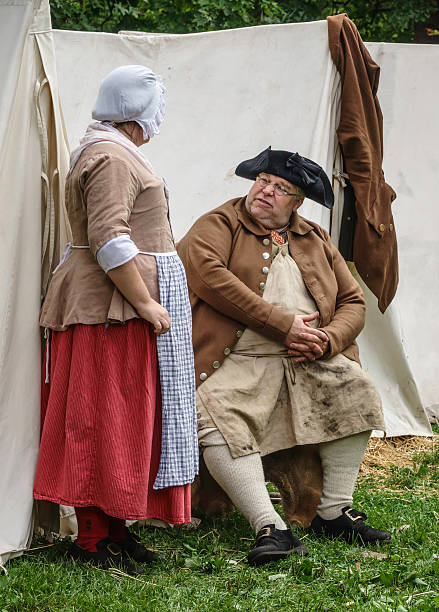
(132, 93)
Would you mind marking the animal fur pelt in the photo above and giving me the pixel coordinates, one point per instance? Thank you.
(296, 472)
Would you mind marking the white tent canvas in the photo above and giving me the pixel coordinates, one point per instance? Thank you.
(408, 94)
(33, 162)
(230, 94)
(233, 93)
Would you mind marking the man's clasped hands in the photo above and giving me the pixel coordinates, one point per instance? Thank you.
(305, 343)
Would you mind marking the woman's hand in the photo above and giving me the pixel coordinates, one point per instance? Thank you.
(154, 312)
(303, 341)
(129, 282)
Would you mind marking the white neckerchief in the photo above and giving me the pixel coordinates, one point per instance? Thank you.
(105, 132)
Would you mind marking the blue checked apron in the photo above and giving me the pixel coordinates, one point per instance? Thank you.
(179, 451)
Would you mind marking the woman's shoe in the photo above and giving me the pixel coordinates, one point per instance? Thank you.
(108, 554)
(133, 547)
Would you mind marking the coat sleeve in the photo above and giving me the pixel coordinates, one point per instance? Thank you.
(205, 252)
(110, 190)
(350, 307)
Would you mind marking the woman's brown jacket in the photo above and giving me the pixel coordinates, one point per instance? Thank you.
(227, 258)
(108, 193)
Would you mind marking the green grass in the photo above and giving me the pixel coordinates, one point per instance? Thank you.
(205, 569)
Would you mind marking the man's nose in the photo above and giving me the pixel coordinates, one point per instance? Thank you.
(269, 187)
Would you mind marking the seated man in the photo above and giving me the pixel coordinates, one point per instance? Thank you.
(275, 316)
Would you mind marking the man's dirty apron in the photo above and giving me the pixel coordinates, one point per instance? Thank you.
(261, 401)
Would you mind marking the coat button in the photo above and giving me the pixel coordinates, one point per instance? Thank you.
(391, 227)
(266, 241)
(227, 351)
(262, 285)
(265, 270)
(203, 376)
(239, 333)
(216, 364)
(382, 227)
(265, 255)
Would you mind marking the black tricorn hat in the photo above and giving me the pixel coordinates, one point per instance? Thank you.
(292, 167)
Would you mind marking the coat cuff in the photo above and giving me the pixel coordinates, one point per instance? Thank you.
(278, 324)
(116, 252)
(334, 346)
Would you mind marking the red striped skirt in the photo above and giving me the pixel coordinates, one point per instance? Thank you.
(101, 424)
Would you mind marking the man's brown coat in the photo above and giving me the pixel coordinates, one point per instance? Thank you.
(223, 254)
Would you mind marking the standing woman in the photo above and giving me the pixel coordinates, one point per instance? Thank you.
(119, 424)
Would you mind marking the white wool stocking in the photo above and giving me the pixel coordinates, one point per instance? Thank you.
(243, 481)
(341, 460)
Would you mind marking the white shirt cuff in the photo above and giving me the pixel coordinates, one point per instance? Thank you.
(116, 252)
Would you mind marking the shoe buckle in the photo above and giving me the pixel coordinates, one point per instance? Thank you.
(353, 518)
(265, 532)
(113, 552)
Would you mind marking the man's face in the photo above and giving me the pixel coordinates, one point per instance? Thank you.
(270, 202)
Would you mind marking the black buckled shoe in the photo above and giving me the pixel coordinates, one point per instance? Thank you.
(273, 544)
(349, 526)
(133, 547)
(108, 554)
